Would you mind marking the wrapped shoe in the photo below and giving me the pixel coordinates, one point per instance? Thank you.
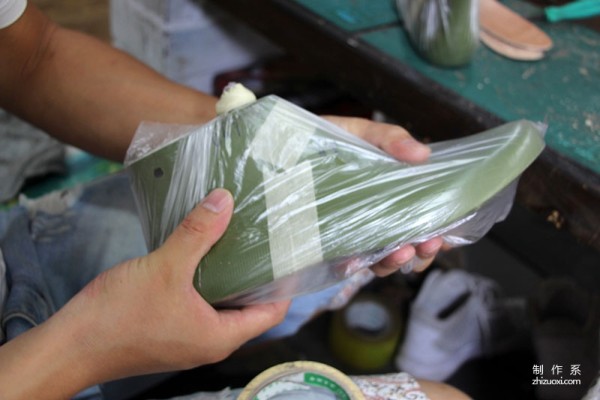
(313, 203)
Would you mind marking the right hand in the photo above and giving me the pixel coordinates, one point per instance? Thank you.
(145, 316)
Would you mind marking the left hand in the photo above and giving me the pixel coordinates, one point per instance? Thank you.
(397, 142)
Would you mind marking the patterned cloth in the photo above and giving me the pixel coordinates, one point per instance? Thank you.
(396, 386)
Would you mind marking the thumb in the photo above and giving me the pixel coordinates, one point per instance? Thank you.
(199, 231)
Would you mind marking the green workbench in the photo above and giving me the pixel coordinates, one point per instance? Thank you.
(563, 89)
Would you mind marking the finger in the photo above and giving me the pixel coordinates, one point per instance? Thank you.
(408, 150)
(251, 321)
(421, 264)
(394, 261)
(409, 258)
(392, 139)
(429, 248)
(199, 231)
(396, 141)
(446, 246)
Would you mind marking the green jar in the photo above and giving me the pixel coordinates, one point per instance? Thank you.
(444, 32)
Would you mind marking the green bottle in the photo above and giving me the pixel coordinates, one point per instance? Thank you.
(445, 32)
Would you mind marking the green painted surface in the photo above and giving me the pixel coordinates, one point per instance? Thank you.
(562, 90)
(354, 15)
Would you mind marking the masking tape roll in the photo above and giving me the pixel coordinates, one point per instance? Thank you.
(365, 333)
(312, 379)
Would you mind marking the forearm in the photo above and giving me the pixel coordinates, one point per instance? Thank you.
(86, 93)
(74, 349)
(46, 362)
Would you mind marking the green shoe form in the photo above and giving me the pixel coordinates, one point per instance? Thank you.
(314, 204)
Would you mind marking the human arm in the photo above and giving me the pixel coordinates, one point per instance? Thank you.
(88, 94)
(85, 92)
(142, 316)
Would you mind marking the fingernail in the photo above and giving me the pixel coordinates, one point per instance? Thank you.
(407, 267)
(413, 264)
(410, 150)
(428, 255)
(216, 201)
(412, 144)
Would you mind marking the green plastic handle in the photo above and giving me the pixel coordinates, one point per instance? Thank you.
(576, 10)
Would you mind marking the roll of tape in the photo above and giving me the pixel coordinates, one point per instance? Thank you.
(365, 333)
(301, 379)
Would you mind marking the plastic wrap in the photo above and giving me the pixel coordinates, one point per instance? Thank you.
(445, 32)
(313, 203)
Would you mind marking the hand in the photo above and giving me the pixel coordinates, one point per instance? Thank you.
(396, 141)
(149, 310)
(141, 316)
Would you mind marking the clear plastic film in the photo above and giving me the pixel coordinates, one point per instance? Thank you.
(313, 203)
(445, 32)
